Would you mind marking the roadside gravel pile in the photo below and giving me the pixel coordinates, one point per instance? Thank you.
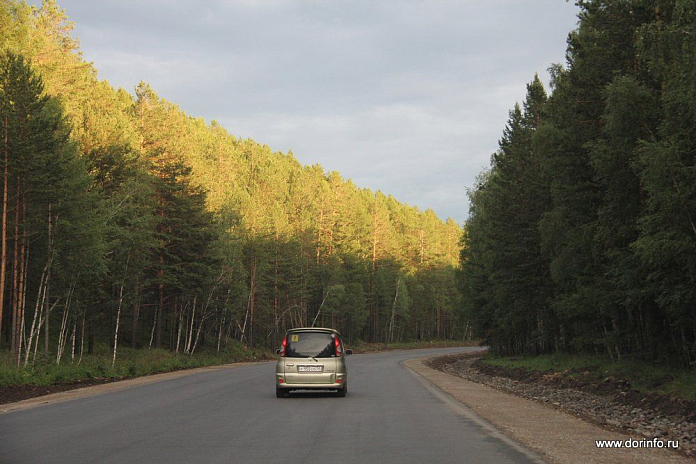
(610, 403)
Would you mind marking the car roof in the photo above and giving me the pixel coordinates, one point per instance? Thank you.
(314, 329)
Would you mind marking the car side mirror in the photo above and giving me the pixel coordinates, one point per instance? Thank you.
(278, 351)
(349, 352)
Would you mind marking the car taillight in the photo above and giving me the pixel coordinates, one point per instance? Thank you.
(337, 344)
(282, 347)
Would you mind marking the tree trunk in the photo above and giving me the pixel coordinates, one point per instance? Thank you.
(36, 344)
(62, 335)
(219, 338)
(46, 324)
(393, 313)
(90, 337)
(82, 338)
(38, 315)
(189, 335)
(136, 313)
(3, 239)
(23, 257)
(160, 305)
(118, 321)
(252, 288)
(15, 267)
(152, 333)
(180, 312)
(74, 335)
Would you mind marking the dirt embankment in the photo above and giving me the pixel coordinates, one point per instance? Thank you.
(610, 402)
(14, 393)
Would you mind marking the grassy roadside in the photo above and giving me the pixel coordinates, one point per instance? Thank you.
(135, 363)
(129, 363)
(362, 347)
(643, 376)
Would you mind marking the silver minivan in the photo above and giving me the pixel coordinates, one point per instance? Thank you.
(312, 359)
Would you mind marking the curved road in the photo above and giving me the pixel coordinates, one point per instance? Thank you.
(232, 415)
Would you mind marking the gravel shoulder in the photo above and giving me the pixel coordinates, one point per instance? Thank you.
(556, 436)
(610, 403)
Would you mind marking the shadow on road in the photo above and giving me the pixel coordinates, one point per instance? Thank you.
(311, 394)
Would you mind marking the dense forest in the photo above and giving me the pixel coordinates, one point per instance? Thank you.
(581, 236)
(126, 221)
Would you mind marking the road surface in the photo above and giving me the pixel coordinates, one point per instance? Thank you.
(390, 415)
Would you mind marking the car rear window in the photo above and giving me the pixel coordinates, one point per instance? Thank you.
(310, 344)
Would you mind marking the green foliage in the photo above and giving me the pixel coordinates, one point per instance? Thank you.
(581, 236)
(365, 347)
(159, 230)
(131, 363)
(502, 256)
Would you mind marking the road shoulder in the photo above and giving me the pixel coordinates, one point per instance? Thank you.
(555, 436)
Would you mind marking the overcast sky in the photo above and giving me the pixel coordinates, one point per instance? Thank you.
(406, 97)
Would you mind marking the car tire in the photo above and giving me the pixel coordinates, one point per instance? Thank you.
(281, 393)
(341, 392)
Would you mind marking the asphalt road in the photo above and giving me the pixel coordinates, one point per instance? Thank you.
(232, 415)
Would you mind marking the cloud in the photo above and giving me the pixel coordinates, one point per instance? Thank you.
(406, 97)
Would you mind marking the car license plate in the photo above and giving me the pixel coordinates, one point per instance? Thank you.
(310, 368)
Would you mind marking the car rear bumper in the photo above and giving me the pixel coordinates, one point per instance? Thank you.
(311, 386)
(337, 382)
